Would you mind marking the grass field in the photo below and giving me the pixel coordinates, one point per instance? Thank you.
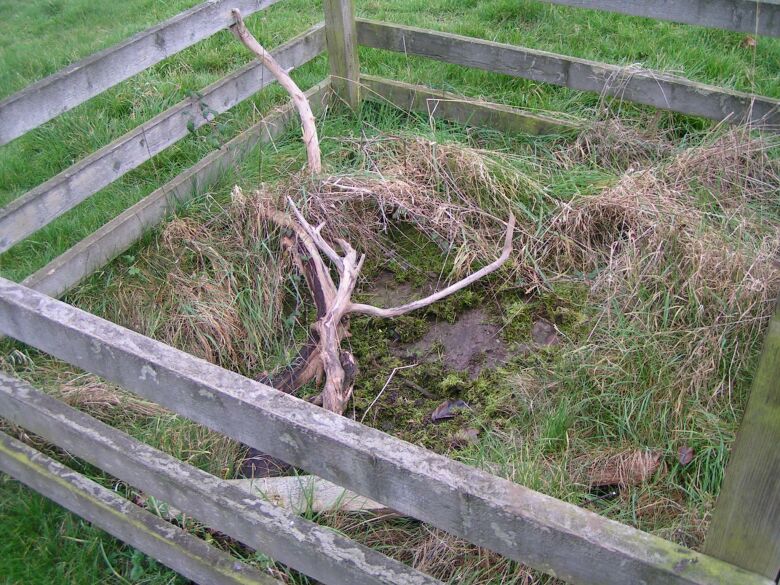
(658, 341)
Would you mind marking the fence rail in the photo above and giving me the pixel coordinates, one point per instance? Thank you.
(298, 543)
(63, 91)
(651, 88)
(38, 207)
(522, 524)
(748, 16)
(109, 241)
(172, 546)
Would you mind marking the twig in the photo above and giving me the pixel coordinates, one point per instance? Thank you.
(300, 101)
(362, 418)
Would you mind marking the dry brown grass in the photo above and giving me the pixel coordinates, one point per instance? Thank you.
(660, 253)
(611, 144)
(222, 289)
(433, 551)
(459, 197)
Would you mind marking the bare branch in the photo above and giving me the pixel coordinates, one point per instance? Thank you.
(300, 101)
(461, 284)
(315, 235)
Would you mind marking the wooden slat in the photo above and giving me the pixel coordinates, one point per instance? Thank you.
(172, 546)
(545, 533)
(748, 16)
(454, 108)
(36, 208)
(745, 528)
(342, 50)
(108, 242)
(80, 81)
(298, 543)
(651, 88)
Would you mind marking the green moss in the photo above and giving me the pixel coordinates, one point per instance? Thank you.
(565, 305)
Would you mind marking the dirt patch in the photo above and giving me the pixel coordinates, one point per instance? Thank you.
(471, 344)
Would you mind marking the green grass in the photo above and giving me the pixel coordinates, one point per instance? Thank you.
(615, 385)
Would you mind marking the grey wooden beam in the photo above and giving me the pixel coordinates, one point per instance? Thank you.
(553, 536)
(301, 544)
(342, 50)
(642, 86)
(455, 108)
(748, 16)
(109, 241)
(745, 528)
(36, 208)
(58, 93)
(187, 555)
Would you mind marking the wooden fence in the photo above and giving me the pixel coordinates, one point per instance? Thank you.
(561, 539)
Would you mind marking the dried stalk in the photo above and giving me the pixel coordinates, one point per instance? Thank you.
(300, 101)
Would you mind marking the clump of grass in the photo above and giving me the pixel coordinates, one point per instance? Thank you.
(664, 264)
(457, 196)
(612, 143)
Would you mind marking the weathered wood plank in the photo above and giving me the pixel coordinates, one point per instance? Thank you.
(172, 546)
(36, 208)
(642, 86)
(545, 533)
(745, 528)
(298, 543)
(342, 50)
(748, 16)
(108, 242)
(58, 93)
(449, 106)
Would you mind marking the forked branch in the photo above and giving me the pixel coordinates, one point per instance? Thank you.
(300, 101)
(452, 289)
(335, 306)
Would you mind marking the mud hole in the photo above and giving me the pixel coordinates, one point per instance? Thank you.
(470, 344)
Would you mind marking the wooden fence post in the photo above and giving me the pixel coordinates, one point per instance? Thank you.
(745, 529)
(341, 35)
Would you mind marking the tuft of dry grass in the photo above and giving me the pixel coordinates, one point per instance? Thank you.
(623, 469)
(104, 400)
(610, 143)
(670, 263)
(457, 196)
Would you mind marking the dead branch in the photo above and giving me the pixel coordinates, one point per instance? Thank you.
(335, 305)
(437, 296)
(300, 101)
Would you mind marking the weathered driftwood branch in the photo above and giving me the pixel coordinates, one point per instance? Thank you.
(437, 296)
(300, 101)
(331, 327)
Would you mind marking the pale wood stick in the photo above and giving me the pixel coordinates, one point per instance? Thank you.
(413, 306)
(316, 236)
(300, 101)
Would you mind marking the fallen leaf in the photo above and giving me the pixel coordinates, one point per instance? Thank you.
(624, 469)
(685, 455)
(465, 437)
(749, 42)
(448, 409)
